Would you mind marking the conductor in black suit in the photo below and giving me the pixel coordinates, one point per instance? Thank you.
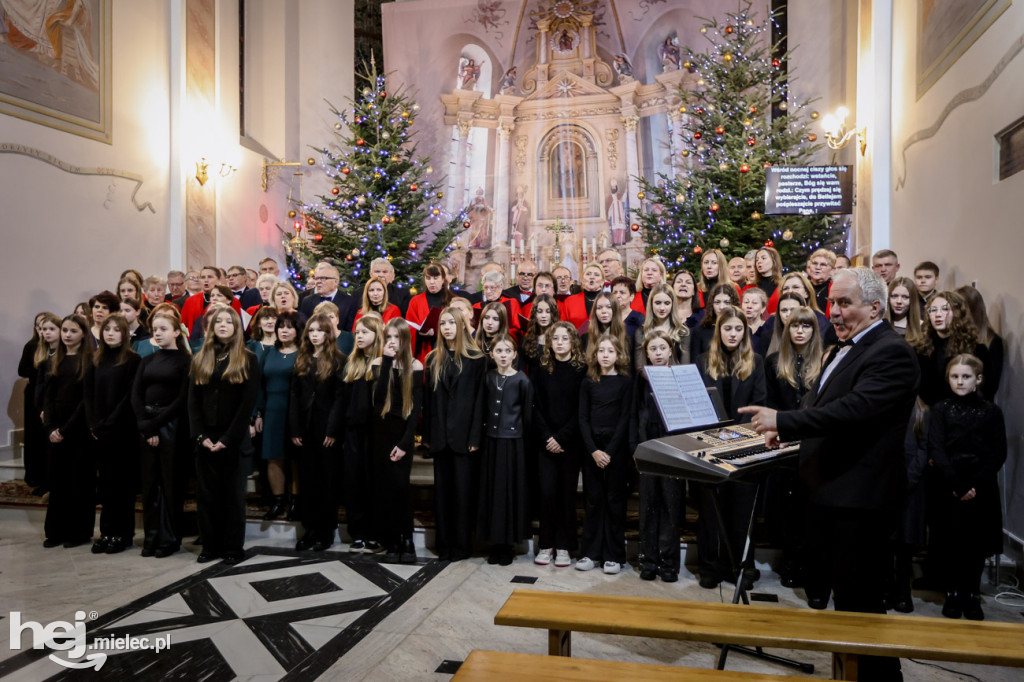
(851, 432)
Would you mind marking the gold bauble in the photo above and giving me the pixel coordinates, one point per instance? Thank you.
(747, 122)
(787, 235)
(814, 115)
(376, 176)
(680, 198)
(413, 290)
(723, 166)
(685, 153)
(700, 82)
(686, 65)
(703, 29)
(311, 161)
(755, 216)
(727, 57)
(682, 109)
(291, 214)
(640, 195)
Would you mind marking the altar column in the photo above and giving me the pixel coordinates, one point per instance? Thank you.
(502, 175)
(457, 197)
(632, 159)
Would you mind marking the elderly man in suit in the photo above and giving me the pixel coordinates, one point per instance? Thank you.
(851, 432)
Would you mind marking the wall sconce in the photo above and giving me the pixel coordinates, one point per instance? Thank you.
(836, 134)
(203, 171)
(271, 168)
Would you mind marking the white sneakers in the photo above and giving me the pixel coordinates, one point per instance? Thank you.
(543, 558)
(612, 567)
(585, 564)
(562, 558)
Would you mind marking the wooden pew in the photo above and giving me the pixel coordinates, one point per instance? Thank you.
(500, 665)
(845, 635)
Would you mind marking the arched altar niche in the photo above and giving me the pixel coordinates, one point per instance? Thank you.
(569, 183)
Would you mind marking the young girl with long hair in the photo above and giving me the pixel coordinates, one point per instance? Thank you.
(70, 461)
(437, 296)
(159, 402)
(713, 271)
(986, 335)
(967, 443)
(493, 323)
(556, 390)
(375, 298)
(543, 314)
(271, 415)
(662, 499)
(221, 396)
(788, 302)
(721, 297)
(32, 366)
(316, 423)
(904, 310)
(452, 422)
(111, 423)
(605, 319)
(605, 397)
(508, 399)
(949, 331)
(684, 288)
(357, 479)
(661, 317)
(136, 315)
(731, 366)
(397, 401)
(768, 274)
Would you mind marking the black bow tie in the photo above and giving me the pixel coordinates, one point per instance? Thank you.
(326, 298)
(843, 344)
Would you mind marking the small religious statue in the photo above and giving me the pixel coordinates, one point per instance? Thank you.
(508, 82)
(624, 68)
(668, 52)
(617, 210)
(479, 214)
(519, 215)
(469, 72)
(565, 41)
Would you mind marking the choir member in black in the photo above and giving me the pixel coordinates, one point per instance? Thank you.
(452, 423)
(661, 498)
(316, 416)
(904, 310)
(556, 401)
(605, 399)
(605, 319)
(138, 331)
(624, 291)
(100, 307)
(986, 335)
(768, 274)
(790, 373)
(967, 443)
(493, 323)
(721, 297)
(543, 314)
(731, 366)
(111, 423)
(949, 331)
(661, 317)
(687, 305)
(357, 478)
(754, 303)
(713, 271)
(788, 302)
(32, 366)
(158, 399)
(397, 400)
(70, 460)
(221, 395)
(508, 404)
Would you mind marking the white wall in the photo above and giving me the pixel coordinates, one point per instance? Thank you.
(952, 209)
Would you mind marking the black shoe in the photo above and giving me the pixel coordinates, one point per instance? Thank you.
(668, 576)
(904, 603)
(508, 555)
(648, 574)
(293, 509)
(76, 543)
(233, 558)
(48, 543)
(206, 557)
(164, 552)
(392, 556)
(305, 542)
(749, 576)
(709, 580)
(101, 545)
(817, 603)
(148, 551)
(277, 508)
(494, 557)
(322, 545)
(118, 545)
(952, 607)
(407, 552)
(972, 607)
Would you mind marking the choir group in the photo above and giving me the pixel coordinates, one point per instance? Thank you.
(513, 394)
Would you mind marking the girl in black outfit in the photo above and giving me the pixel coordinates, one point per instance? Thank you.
(605, 397)
(221, 395)
(42, 347)
(967, 443)
(108, 414)
(357, 477)
(949, 331)
(493, 323)
(397, 400)
(731, 366)
(986, 335)
(661, 498)
(452, 423)
(556, 390)
(721, 297)
(70, 461)
(158, 399)
(316, 413)
(543, 314)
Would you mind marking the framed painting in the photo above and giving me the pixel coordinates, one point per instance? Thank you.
(55, 64)
(945, 29)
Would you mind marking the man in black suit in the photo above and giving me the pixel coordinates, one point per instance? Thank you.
(237, 278)
(523, 289)
(851, 432)
(326, 278)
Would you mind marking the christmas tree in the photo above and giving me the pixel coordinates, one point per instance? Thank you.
(381, 204)
(737, 121)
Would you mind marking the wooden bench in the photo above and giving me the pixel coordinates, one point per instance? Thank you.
(845, 635)
(500, 665)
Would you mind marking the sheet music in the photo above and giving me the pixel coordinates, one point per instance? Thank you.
(681, 397)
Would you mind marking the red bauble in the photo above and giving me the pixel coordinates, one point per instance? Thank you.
(412, 246)
(386, 219)
(714, 208)
(719, 130)
(776, 63)
(753, 110)
(744, 168)
(812, 137)
(466, 224)
(360, 142)
(414, 187)
(335, 190)
(729, 29)
(348, 257)
(383, 94)
(634, 227)
(769, 243)
(318, 237)
(751, 142)
(697, 135)
(346, 170)
(697, 250)
(767, 164)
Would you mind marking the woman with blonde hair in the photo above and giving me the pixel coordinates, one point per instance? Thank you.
(222, 393)
(652, 272)
(714, 269)
(768, 275)
(375, 298)
(661, 317)
(904, 310)
(34, 356)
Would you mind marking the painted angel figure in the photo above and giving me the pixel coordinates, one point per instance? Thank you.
(508, 82)
(624, 68)
(668, 52)
(469, 72)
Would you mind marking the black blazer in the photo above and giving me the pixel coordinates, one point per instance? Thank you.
(851, 430)
(220, 410)
(317, 408)
(347, 307)
(740, 392)
(453, 409)
(514, 292)
(249, 298)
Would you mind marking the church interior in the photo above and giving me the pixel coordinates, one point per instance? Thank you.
(165, 135)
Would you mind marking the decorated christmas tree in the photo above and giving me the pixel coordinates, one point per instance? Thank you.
(383, 203)
(737, 121)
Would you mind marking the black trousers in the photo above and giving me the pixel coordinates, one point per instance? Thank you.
(318, 471)
(661, 508)
(163, 486)
(604, 523)
(456, 478)
(559, 476)
(852, 554)
(356, 483)
(220, 498)
(736, 502)
(71, 472)
(392, 493)
(117, 461)
(35, 447)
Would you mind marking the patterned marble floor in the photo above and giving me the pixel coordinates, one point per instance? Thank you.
(339, 616)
